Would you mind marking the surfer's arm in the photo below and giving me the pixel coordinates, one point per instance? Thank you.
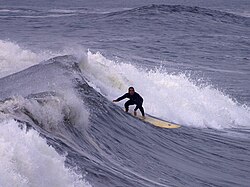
(121, 98)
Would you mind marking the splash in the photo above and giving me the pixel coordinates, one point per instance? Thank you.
(27, 160)
(171, 97)
(14, 58)
(48, 110)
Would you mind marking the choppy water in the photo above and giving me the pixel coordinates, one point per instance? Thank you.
(62, 63)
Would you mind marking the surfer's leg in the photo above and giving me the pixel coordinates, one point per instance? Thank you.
(141, 109)
(135, 110)
(129, 102)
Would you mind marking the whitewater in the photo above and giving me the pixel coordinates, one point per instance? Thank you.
(59, 126)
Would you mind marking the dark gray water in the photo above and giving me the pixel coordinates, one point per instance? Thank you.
(62, 63)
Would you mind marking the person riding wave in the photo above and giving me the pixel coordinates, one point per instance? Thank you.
(134, 99)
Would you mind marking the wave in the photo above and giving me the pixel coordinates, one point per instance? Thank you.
(10, 63)
(33, 99)
(22, 59)
(9, 10)
(149, 11)
(174, 97)
(26, 160)
(63, 99)
(15, 58)
(36, 13)
(165, 10)
(42, 16)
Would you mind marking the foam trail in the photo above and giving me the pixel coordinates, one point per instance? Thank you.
(27, 160)
(171, 97)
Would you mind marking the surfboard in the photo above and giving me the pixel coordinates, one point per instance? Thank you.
(157, 122)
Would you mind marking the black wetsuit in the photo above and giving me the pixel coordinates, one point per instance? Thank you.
(135, 99)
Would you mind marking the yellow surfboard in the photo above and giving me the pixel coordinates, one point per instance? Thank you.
(157, 122)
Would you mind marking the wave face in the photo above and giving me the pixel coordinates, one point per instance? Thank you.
(103, 144)
(188, 59)
(174, 97)
(163, 10)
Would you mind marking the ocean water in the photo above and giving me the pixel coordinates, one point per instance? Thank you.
(63, 62)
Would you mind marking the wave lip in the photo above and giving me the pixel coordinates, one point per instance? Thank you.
(172, 97)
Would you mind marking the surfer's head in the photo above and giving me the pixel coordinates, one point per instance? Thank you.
(131, 90)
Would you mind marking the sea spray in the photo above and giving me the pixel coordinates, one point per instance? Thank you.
(173, 97)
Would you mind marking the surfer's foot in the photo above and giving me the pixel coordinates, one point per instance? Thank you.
(143, 117)
(135, 113)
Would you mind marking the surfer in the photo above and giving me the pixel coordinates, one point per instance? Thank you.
(134, 99)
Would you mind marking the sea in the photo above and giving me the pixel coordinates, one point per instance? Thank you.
(62, 62)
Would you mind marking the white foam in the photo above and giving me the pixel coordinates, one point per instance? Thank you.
(27, 160)
(14, 58)
(8, 10)
(171, 97)
(50, 111)
(63, 11)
